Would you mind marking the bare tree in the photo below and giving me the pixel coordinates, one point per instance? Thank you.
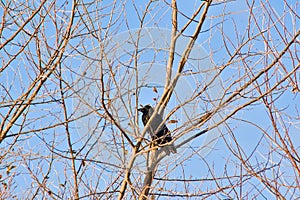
(224, 74)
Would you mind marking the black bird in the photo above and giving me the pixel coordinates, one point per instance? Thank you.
(159, 132)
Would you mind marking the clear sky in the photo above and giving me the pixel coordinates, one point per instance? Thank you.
(203, 158)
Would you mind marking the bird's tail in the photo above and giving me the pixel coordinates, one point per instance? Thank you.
(172, 148)
(169, 148)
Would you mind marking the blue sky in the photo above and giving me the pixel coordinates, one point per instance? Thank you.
(191, 161)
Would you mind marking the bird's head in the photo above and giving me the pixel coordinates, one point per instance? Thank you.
(145, 109)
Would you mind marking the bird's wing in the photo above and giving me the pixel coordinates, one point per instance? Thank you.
(157, 123)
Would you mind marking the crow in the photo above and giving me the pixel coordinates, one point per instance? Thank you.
(159, 132)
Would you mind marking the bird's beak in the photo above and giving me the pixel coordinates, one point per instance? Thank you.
(140, 109)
